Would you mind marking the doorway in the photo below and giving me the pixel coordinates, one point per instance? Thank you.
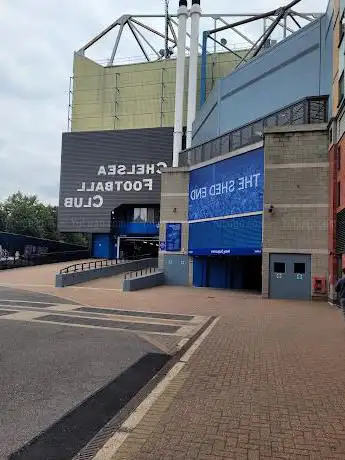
(290, 276)
(228, 272)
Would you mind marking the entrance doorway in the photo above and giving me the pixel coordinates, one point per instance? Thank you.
(137, 247)
(290, 276)
(228, 272)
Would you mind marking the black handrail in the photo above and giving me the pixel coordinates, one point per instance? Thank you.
(90, 265)
(141, 272)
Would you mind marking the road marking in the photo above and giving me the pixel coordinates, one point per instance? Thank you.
(112, 446)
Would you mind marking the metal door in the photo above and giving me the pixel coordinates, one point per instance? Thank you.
(290, 276)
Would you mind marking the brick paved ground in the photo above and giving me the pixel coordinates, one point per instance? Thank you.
(267, 383)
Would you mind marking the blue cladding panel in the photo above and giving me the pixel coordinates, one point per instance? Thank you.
(232, 186)
(102, 246)
(279, 77)
(139, 228)
(239, 236)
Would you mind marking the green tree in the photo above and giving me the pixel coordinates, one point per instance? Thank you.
(26, 215)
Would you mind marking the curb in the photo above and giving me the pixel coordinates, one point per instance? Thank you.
(101, 438)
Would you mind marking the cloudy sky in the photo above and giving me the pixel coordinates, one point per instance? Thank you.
(37, 39)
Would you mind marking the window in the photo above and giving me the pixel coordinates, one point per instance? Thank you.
(140, 215)
(338, 157)
(341, 89)
(338, 194)
(279, 267)
(299, 268)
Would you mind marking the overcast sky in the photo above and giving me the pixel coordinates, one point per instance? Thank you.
(37, 39)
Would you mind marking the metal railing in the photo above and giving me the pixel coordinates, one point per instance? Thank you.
(141, 272)
(306, 111)
(90, 265)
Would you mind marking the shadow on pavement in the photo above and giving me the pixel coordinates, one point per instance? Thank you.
(65, 438)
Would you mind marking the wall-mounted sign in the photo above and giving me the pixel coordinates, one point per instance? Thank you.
(103, 170)
(173, 237)
(229, 187)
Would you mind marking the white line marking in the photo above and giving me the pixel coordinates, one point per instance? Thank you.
(115, 442)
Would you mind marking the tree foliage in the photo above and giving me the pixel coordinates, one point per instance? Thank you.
(26, 215)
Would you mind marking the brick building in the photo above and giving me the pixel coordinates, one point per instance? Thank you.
(277, 244)
(248, 208)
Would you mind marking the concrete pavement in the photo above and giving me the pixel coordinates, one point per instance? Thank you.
(266, 383)
(68, 369)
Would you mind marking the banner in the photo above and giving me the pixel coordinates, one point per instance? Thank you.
(229, 187)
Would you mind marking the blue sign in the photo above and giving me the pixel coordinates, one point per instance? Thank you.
(229, 187)
(173, 237)
(239, 236)
(225, 252)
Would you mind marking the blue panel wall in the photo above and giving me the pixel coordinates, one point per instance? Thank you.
(237, 236)
(228, 187)
(102, 246)
(139, 228)
(297, 67)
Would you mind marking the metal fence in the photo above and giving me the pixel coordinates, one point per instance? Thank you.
(307, 111)
(141, 272)
(91, 265)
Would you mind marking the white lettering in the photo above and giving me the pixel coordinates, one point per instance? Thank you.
(89, 203)
(78, 203)
(132, 171)
(91, 188)
(203, 192)
(109, 186)
(102, 171)
(218, 189)
(97, 201)
(150, 169)
(118, 184)
(241, 183)
(111, 170)
(121, 170)
(160, 165)
(137, 185)
(231, 186)
(212, 190)
(224, 187)
(99, 187)
(256, 177)
(140, 169)
(68, 203)
(82, 188)
(127, 186)
(248, 181)
(148, 183)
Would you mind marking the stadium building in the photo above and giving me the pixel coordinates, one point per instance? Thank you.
(215, 155)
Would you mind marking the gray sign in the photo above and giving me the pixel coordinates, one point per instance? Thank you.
(102, 170)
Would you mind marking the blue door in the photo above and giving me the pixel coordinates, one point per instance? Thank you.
(101, 246)
(199, 272)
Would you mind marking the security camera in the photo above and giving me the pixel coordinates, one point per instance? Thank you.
(271, 209)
